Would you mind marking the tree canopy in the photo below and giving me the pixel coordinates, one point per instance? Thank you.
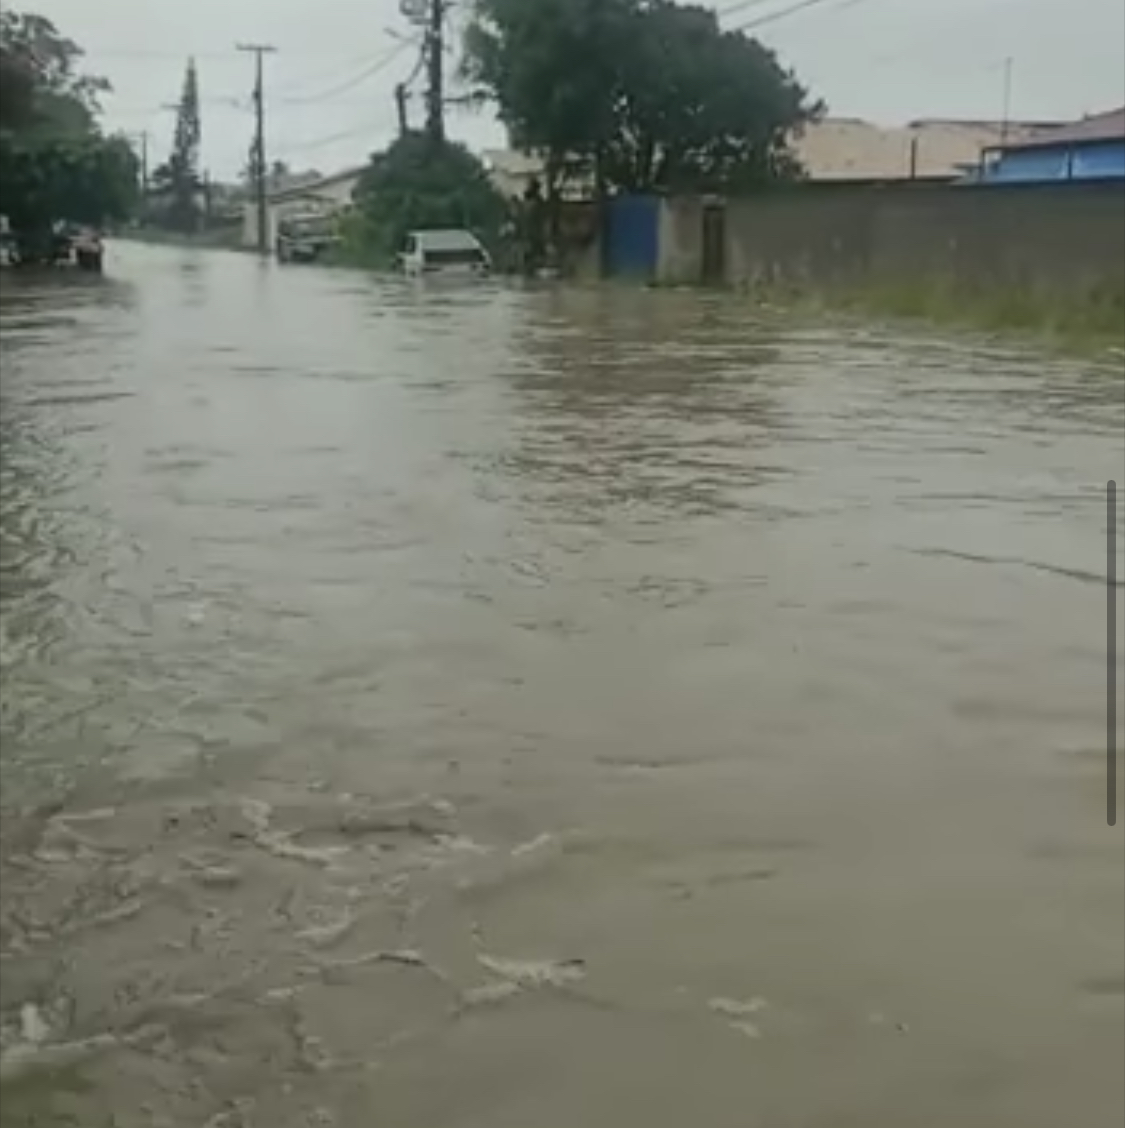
(418, 183)
(54, 161)
(649, 95)
(179, 179)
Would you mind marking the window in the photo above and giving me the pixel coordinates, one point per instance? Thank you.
(463, 256)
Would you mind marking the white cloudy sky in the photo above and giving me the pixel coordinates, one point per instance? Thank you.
(329, 87)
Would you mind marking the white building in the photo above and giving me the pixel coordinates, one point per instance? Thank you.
(328, 195)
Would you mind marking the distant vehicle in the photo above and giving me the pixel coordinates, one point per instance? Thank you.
(61, 244)
(304, 238)
(444, 252)
(88, 250)
(8, 252)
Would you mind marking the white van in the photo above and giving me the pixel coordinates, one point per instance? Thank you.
(444, 252)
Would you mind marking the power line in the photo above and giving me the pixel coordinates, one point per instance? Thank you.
(331, 139)
(740, 6)
(369, 71)
(215, 103)
(792, 10)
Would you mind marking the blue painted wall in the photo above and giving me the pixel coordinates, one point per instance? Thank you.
(1099, 160)
(633, 237)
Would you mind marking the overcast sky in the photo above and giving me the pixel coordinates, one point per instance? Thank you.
(329, 87)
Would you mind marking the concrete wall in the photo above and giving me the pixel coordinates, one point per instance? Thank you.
(681, 241)
(1043, 237)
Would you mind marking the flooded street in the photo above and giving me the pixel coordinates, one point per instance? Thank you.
(499, 708)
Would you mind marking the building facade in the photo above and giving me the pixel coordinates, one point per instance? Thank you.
(329, 195)
(835, 149)
(1087, 150)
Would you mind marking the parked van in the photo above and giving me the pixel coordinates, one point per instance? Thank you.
(444, 252)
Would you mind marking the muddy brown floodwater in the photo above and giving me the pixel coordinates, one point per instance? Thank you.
(499, 708)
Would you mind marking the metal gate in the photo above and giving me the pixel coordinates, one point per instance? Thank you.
(632, 236)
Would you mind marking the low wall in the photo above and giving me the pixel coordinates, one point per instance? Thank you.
(1047, 239)
(680, 234)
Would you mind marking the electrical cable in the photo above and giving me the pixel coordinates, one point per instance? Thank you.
(791, 10)
(374, 68)
(740, 6)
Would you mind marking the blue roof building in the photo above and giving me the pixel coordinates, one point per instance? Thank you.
(1090, 149)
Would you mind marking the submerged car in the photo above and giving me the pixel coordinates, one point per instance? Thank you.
(305, 238)
(88, 250)
(453, 252)
(61, 244)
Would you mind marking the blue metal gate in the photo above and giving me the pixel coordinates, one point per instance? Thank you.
(632, 236)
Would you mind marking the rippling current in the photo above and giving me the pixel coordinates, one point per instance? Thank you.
(500, 708)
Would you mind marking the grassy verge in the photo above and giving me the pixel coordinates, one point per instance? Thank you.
(1083, 319)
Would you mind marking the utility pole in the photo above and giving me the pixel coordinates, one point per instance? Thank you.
(400, 106)
(1006, 120)
(144, 164)
(141, 136)
(259, 50)
(435, 51)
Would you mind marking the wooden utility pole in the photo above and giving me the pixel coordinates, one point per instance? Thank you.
(1006, 121)
(435, 55)
(400, 106)
(141, 137)
(144, 164)
(259, 51)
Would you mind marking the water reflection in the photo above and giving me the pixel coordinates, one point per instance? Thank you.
(628, 410)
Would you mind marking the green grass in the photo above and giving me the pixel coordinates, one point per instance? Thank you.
(1086, 319)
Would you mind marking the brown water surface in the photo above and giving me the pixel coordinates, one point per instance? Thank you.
(499, 708)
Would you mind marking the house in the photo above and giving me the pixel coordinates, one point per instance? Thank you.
(327, 195)
(1090, 149)
(838, 149)
(511, 171)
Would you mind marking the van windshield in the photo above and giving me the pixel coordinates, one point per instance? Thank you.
(461, 256)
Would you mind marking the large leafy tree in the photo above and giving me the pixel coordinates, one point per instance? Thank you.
(554, 70)
(54, 161)
(81, 179)
(650, 95)
(702, 109)
(417, 184)
(41, 87)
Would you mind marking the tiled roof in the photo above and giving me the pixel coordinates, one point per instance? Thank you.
(315, 183)
(1100, 127)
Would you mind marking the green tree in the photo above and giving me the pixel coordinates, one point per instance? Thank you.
(650, 95)
(54, 161)
(180, 178)
(417, 184)
(702, 109)
(82, 179)
(554, 69)
(40, 86)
